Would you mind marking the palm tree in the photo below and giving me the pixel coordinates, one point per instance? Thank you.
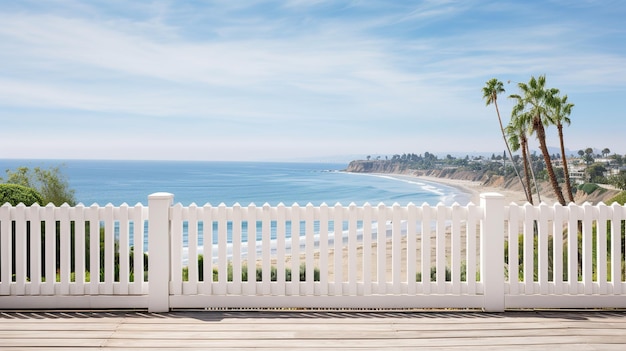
(491, 90)
(518, 139)
(561, 109)
(605, 152)
(533, 102)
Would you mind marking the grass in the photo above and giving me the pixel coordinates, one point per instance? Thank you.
(619, 198)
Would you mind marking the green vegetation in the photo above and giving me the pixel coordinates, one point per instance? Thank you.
(51, 184)
(618, 180)
(538, 107)
(588, 188)
(15, 194)
(448, 275)
(244, 272)
(595, 253)
(88, 269)
(619, 198)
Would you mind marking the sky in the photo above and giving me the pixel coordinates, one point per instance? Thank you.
(298, 80)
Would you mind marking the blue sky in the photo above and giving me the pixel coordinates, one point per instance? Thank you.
(297, 80)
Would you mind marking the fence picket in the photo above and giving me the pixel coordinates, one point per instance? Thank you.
(236, 249)
(513, 237)
(529, 236)
(542, 242)
(6, 254)
(281, 250)
(440, 247)
(396, 248)
(323, 249)
(50, 250)
(587, 248)
(455, 247)
(93, 216)
(251, 232)
(557, 249)
(338, 249)
(222, 250)
(310, 249)
(426, 247)
(176, 284)
(471, 234)
(411, 248)
(616, 255)
(124, 245)
(572, 248)
(78, 214)
(207, 235)
(139, 217)
(109, 250)
(35, 250)
(266, 252)
(192, 250)
(20, 249)
(601, 249)
(295, 248)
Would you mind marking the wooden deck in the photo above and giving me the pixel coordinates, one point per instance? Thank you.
(274, 330)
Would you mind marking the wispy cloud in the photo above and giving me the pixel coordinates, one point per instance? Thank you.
(356, 71)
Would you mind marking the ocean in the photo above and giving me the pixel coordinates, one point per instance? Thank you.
(117, 182)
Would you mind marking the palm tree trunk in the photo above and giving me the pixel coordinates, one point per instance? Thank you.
(541, 135)
(568, 185)
(532, 173)
(529, 197)
(526, 192)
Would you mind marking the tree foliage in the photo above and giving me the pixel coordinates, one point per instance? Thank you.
(618, 180)
(595, 172)
(15, 194)
(534, 105)
(51, 184)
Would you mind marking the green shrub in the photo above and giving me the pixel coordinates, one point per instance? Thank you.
(15, 194)
(588, 188)
(51, 184)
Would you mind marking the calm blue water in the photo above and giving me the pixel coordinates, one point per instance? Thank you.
(118, 182)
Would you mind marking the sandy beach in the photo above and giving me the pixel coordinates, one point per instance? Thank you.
(473, 188)
(476, 188)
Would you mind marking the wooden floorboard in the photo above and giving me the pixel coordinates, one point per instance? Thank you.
(311, 330)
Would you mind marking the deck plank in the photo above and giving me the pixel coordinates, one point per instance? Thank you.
(524, 330)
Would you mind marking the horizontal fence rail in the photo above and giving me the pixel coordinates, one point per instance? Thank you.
(489, 256)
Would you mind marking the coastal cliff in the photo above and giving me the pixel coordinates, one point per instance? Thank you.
(378, 167)
(486, 178)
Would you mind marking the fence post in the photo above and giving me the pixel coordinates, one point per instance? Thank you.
(492, 251)
(159, 251)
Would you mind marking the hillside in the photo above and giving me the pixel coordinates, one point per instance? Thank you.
(486, 178)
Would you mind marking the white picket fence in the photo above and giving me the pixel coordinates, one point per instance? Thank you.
(350, 257)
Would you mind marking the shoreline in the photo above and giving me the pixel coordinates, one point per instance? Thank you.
(475, 188)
